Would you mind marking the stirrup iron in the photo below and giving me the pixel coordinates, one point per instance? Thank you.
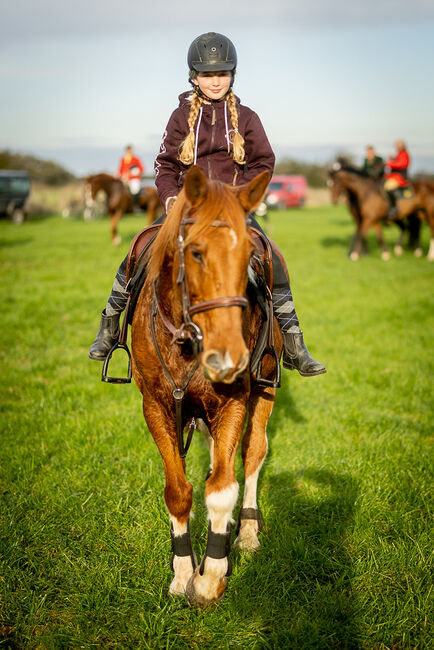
(117, 380)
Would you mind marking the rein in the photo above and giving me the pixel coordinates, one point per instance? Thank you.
(187, 331)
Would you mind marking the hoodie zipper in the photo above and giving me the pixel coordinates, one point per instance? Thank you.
(213, 122)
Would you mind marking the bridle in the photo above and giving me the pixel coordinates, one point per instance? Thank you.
(188, 330)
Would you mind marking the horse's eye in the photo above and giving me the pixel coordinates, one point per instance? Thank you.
(196, 255)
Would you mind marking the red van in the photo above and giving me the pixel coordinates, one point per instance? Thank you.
(286, 192)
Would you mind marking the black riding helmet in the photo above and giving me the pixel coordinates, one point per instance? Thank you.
(212, 52)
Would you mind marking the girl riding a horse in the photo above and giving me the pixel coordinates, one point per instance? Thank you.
(226, 140)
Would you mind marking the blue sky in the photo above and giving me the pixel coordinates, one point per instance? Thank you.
(79, 80)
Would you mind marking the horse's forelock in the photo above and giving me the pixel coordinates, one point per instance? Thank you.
(220, 204)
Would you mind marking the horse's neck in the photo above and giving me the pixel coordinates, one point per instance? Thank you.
(106, 185)
(358, 185)
(169, 293)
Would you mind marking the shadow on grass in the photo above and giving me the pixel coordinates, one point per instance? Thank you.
(297, 587)
(333, 242)
(5, 243)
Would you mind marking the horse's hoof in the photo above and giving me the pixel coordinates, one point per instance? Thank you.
(183, 569)
(247, 544)
(398, 250)
(247, 539)
(418, 252)
(385, 256)
(354, 256)
(201, 594)
(117, 240)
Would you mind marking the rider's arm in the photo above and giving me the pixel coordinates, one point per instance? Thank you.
(167, 165)
(259, 154)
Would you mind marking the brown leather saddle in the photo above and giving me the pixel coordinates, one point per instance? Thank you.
(260, 288)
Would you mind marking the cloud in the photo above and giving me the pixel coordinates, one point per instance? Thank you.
(52, 18)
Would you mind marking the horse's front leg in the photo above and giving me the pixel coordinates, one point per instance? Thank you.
(385, 254)
(178, 494)
(114, 220)
(254, 450)
(361, 240)
(397, 249)
(208, 582)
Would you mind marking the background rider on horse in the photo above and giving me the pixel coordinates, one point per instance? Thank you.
(373, 164)
(130, 172)
(397, 175)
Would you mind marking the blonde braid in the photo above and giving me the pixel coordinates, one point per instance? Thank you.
(237, 139)
(186, 155)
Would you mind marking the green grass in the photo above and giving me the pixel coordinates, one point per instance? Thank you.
(345, 492)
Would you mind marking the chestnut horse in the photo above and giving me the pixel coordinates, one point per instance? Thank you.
(199, 369)
(119, 200)
(373, 206)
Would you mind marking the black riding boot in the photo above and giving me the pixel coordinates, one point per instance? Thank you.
(107, 336)
(296, 356)
(109, 328)
(393, 212)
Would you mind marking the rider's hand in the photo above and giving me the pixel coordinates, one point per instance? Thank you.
(169, 202)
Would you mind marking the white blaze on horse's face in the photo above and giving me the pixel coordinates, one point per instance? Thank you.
(233, 234)
(218, 273)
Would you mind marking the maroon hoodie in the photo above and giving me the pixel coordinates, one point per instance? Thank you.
(213, 128)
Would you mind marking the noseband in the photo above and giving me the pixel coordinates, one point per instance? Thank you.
(188, 329)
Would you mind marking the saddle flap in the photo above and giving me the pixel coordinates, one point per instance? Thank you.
(139, 247)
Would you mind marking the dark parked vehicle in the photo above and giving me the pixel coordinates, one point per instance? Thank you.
(14, 192)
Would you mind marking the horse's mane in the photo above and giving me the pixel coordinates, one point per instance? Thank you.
(218, 196)
(102, 175)
(346, 166)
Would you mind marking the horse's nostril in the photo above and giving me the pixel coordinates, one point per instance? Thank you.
(214, 360)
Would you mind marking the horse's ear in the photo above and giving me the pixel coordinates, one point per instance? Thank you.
(251, 194)
(196, 186)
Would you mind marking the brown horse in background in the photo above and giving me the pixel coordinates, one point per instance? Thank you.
(411, 225)
(193, 333)
(120, 200)
(371, 206)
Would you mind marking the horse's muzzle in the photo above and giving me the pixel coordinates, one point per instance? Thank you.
(219, 368)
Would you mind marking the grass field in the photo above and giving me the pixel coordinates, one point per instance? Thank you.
(346, 491)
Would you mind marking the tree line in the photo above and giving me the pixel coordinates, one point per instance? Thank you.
(51, 173)
(44, 171)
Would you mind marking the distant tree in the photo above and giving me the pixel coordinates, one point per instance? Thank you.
(45, 171)
(423, 175)
(316, 175)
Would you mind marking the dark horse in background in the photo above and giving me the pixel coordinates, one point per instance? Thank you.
(369, 205)
(193, 332)
(120, 200)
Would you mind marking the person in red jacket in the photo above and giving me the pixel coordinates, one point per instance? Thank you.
(396, 175)
(212, 129)
(130, 171)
